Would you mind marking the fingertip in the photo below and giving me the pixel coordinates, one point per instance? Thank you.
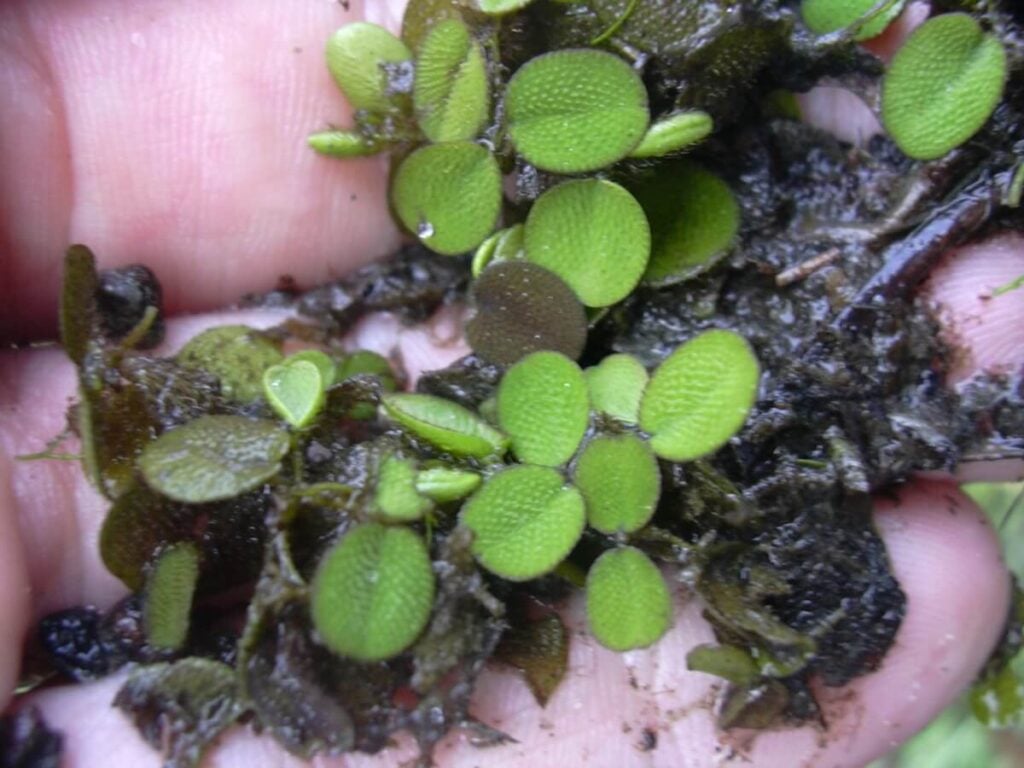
(982, 324)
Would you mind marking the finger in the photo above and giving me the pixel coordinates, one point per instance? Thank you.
(644, 709)
(174, 134)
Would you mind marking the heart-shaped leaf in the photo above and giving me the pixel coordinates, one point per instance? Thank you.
(450, 94)
(448, 195)
(445, 424)
(525, 520)
(544, 408)
(520, 308)
(694, 220)
(616, 385)
(673, 133)
(295, 390)
(373, 592)
(594, 235)
(214, 458)
(700, 395)
(170, 586)
(620, 481)
(577, 110)
(628, 604)
(942, 85)
(355, 55)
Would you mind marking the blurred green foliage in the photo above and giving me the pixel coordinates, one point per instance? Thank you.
(955, 739)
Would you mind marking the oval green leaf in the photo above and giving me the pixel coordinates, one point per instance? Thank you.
(616, 385)
(628, 604)
(342, 144)
(594, 235)
(295, 390)
(544, 408)
(576, 110)
(214, 458)
(620, 482)
(444, 484)
(674, 133)
(824, 16)
(520, 308)
(694, 220)
(450, 94)
(396, 498)
(235, 354)
(448, 195)
(525, 520)
(700, 395)
(355, 54)
(942, 85)
(445, 424)
(373, 592)
(170, 586)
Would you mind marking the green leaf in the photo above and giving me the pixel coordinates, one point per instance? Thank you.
(726, 661)
(214, 458)
(501, 7)
(521, 308)
(757, 705)
(450, 94)
(502, 245)
(998, 701)
(445, 424)
(295, 390)
(700, 395)
(942, 85)
(594, 235)
(544, 408)
(78, 302)
(824, 16)
(694, 220)
(355, 55)
(365, 362)
(616, 385)
(235, 354)
(448, 195)
(525, 520)
(573, 111)
(170, 586)
(326, 364)
(373, 592)
(620, 481)
(628, 604)
(396, 498)
(342, 144)
(443, 484)
(673, 133)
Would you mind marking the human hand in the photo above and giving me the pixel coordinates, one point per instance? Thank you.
(176, 136)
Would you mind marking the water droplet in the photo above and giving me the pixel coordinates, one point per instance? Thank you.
(424, 230)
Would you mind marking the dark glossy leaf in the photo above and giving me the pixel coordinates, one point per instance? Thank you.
(540, 650)
(236, 354)
(522, 308)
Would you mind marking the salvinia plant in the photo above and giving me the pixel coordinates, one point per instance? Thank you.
(386, 543)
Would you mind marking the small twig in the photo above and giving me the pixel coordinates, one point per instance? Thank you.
(806, 268)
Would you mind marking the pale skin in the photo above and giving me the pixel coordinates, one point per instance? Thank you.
(173, 134)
